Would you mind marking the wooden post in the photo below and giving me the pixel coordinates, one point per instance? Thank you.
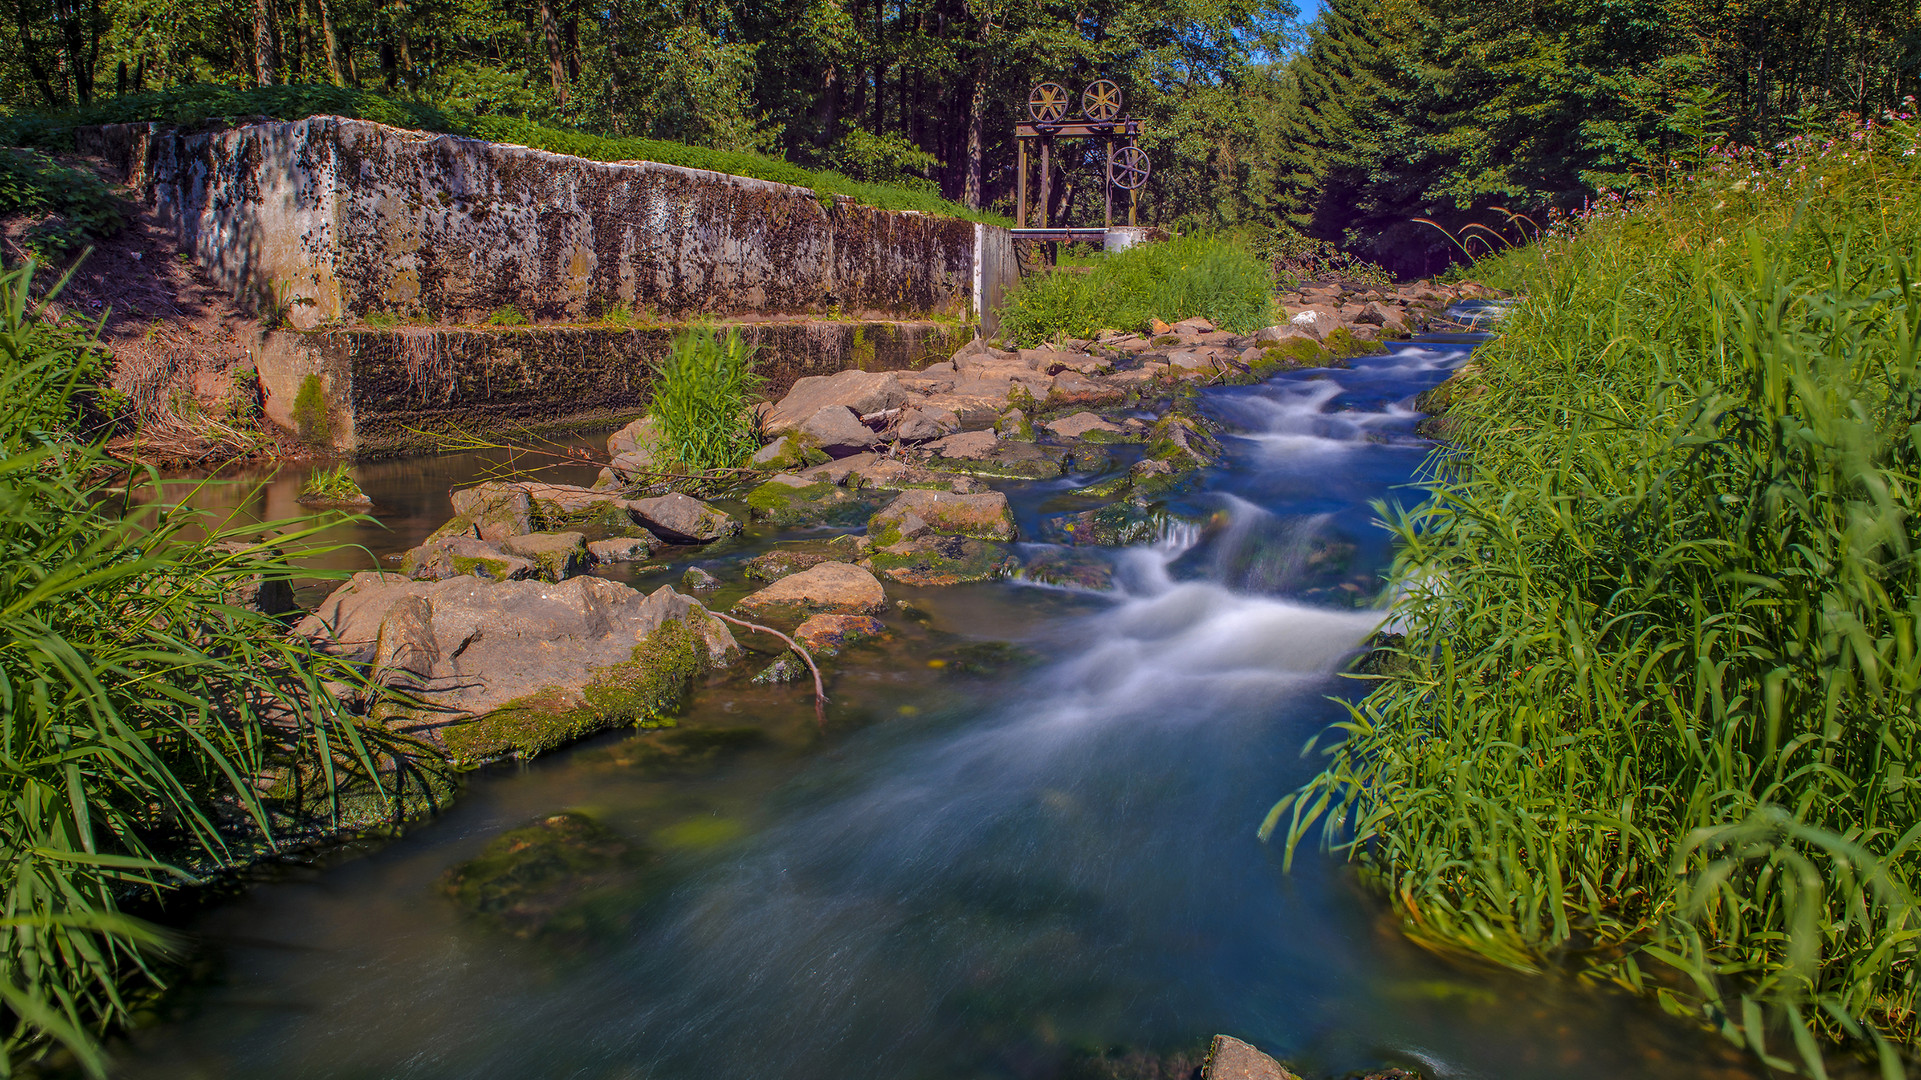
(1020, 184)
(1047, 177)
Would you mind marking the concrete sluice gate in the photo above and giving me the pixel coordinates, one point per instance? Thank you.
(379, 256)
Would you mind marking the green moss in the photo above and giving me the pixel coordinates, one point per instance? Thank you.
(653, 685)
(1297, 352)
(311, 417)
(1342, 343)
(494, 569)
(645, 690)
(862, 350)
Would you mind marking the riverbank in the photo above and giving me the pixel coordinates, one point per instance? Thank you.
(1656, 715)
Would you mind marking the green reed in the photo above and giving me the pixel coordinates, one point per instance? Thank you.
(142, 703)
(702, 399)
(1658, 724)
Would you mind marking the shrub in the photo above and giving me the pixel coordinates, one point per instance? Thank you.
(1211, 277)
(1658, 719)
(508, 315)
(75, 206)
(701, 399)
(142, 703)
(313, 420)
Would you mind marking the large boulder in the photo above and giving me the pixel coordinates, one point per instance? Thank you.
(834, 588)
(927, 422)
(835, 429)
(985, 516)
(498, 509)
(640, 437)
(1080, 425)
(521, 667)
(863, 392)
(1231, 1059)
(683, 519)
(494, 510)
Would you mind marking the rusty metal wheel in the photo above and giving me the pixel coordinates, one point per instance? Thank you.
(1047, 103)
(1131, 167)
(1101, 101)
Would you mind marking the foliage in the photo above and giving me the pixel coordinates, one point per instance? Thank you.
(1447, 109)
(75, 206)
(702, 395)
(334, 484)
(507, 315)
(1213, 277)
(313, 419)
(1658, 717)
(141, 703)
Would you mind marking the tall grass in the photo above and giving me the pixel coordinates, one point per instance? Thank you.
(702, 396)
(1212, 277)
(141, 703)
(1659, 719)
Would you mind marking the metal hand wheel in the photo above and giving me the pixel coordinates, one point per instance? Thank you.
(1101, 101)
(1131, 167)
(1047, 103)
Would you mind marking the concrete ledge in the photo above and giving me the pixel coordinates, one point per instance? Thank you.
(383, 387)
(330, 219)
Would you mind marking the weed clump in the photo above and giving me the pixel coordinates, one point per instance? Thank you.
(701, 398)
(1212, 277)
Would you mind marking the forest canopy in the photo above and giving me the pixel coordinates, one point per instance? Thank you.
(1349, 128)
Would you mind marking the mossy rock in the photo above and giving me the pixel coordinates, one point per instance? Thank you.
(1120, 524)
(646, 690)
(1010, 460)
(785, 506)
(943, 560)
(1343, 344)
(1088, 457)
(565, 876)
(681, 751)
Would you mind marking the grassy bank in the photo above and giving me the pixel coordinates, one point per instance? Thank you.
(196, 104)
(1213, 277)
(145, 693)
(1657, 723)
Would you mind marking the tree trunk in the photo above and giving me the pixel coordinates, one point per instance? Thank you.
(265, 63)
(329, 44)
(556, 64)
(403, 49)
(573, 51)
(615, 10)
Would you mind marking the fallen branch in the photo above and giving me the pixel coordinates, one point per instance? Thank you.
(820, 688)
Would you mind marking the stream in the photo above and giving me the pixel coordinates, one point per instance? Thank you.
(1023, 847)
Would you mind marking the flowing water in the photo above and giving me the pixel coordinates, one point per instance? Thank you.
(1026, 837)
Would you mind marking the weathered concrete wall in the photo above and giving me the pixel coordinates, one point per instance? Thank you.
(385, 385)
(330, 219)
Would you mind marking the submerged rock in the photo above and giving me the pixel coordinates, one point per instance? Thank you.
(786, 668)
(680, 751)
(832, 587)
(566, 875)
(787, 501)
(698, 580)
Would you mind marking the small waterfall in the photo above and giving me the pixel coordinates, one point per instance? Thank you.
(429, 364)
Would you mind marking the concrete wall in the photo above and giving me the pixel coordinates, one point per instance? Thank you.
(329, 220)
(386, 386)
